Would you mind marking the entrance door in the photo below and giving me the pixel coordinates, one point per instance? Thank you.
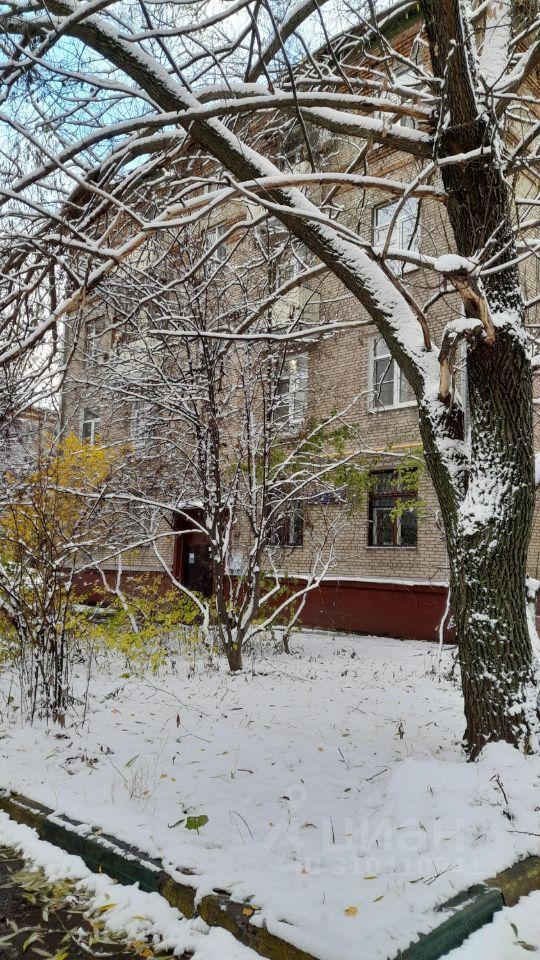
(192, 564)
(197, 564)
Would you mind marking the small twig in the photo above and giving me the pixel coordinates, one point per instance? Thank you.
(243, 821)
(384, 769)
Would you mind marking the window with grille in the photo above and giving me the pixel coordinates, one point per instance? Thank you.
(90, 424)
(291, 405)
(391, 522)
(390, 388)
(287, 528)
(405, 230)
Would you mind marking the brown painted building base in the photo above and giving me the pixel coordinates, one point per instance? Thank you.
(387, 609)
(90, 588)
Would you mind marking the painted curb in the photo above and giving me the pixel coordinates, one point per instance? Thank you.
(517, 881)
(461, 915)
(127, 864)
(468, 912)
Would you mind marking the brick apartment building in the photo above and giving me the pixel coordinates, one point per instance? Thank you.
(390, 572)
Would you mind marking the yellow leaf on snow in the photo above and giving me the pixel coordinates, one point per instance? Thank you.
(351, 911)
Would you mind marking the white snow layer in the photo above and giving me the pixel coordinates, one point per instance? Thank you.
(339, 800)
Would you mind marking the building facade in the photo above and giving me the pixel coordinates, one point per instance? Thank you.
(388, 575)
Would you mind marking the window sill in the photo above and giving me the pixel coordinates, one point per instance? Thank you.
(397, 406)
(374, 546)
(284, 548)
(291, 430)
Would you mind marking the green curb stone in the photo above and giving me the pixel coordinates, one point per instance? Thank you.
(101, 853)
(469, 911)
(460, 916)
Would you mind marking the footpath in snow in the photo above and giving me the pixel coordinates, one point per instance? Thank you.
(337, 795)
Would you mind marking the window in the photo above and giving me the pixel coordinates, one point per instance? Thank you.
(291, 261)
(287, 529)
(291, 400)
(89, 425)
(141, 422)
(215, 236)
(287, 268)
(404, 76)
(390, 388)
(405, 232)
(391, 522)
(92, 342)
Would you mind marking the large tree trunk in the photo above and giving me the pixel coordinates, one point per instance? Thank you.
(488, 550)
(488, 530)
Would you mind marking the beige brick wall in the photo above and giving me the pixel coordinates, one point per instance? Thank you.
(339, 371)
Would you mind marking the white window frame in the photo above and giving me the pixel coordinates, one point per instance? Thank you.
(295, 375)
(407, 214)
(141, 428)
(92, 342)
(405, 76)
(375, 405)
(214, 235)
(94, 422)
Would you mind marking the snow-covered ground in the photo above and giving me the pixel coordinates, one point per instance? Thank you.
(337, 796)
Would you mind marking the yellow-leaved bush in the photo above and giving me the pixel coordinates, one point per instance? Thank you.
(147, 624)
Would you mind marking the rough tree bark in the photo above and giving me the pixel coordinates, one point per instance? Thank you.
(488, 532)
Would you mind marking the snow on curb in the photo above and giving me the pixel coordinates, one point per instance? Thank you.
(129, 911)
(99, 851)
(152, 912)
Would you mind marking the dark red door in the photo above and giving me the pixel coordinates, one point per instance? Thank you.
(197, 564)
(192, 559)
